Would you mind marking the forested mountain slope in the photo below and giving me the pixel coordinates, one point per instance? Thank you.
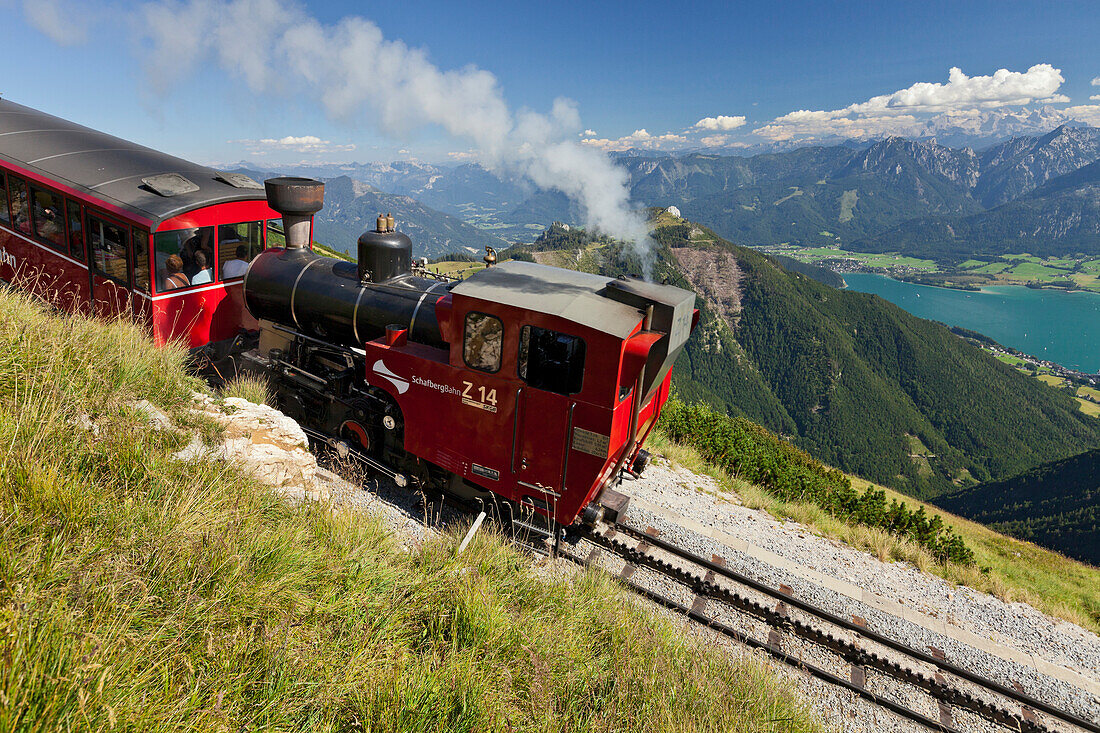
(851, 378)
(1060, 217)
(1056, 505)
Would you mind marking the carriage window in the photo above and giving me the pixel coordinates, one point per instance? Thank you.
(183, 257)
(20, 216)
(275, 235)
(49, 217)
(550, 360)
(5, 217)
(76, 230)
(237, 245)
(107, 243)
(481, 347)
(141, 260)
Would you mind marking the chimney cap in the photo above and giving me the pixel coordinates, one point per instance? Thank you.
(290, 195)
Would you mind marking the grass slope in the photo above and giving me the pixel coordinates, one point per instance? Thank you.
(138, 593)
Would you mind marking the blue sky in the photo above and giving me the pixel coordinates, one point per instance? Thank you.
(657, 67)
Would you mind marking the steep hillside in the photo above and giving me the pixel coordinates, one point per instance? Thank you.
(142, 592)
(854, 380)
(1056, 505)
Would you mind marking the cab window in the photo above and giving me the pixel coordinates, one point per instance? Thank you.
(20, 215)
(5, 217)
(481, 345)
(551, 360)
(108, 245)
(49, 217)
(237, 245)
(141, 260)
(183, 257)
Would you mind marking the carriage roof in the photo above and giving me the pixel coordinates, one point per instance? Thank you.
(112, 169)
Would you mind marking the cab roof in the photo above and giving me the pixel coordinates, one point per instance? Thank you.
(576, 296)
(112, 169)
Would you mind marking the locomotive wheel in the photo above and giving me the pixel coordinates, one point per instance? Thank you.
(356, 434)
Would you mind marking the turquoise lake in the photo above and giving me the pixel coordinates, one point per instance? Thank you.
(1050, 324)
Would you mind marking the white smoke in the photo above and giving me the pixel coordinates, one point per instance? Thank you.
(354, 71)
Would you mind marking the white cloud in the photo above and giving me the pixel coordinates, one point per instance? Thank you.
(639, 139)
(1095, 98)
(1095, 82)
(1087, 113)
(721, 122)
(714, 141)
(298, 144)
(901, 112)
(64, 23)
(588, 133)
(360, 76)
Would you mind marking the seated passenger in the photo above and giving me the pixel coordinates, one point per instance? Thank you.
(176, 278)
(236, 267)
(203, 273)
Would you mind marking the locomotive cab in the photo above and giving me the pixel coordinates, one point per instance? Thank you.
(551, 382)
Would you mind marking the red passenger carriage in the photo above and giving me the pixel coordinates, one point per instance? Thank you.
(98, 224)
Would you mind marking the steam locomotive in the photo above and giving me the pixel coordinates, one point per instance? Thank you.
(527, 383)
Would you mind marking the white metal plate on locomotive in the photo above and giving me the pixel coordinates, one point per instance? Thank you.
(594, 444)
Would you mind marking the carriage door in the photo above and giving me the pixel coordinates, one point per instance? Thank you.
(551, 364)
(109, 264)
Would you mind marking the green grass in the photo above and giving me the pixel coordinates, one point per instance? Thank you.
(1089, 408)
(1089, 392)
(968, 264)
(141, 594)
(992, 268)
(1050, 379)
(848, 202)
(248, 387)
(1010, 569)
(1011, 360)
(1033, 271)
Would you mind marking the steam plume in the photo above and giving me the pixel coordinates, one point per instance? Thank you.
(353, 70)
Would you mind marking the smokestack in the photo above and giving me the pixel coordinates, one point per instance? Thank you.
(297, 200)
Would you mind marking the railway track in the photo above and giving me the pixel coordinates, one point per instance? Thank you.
(794, 631)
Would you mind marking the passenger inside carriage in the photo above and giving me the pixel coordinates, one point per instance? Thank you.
(236, 267)
(176, 278)
(204, 274)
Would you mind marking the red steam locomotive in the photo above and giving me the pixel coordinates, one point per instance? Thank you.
(527, 382)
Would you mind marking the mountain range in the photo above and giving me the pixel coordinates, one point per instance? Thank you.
(916, 196)
(352, 207)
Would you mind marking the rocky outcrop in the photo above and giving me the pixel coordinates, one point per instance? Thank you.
(260, 439)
